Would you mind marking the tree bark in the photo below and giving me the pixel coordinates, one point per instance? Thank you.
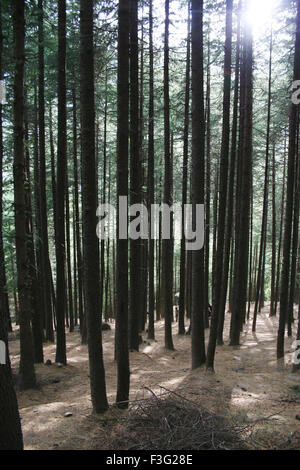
(27, 372)
(61, 185)
(89, 207)
(122, 352)
(198, 151)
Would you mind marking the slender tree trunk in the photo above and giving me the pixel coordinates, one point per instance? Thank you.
(274, 226)
(42, 182)
(216, 313)
(295, 245)
(89, 207)
(77, 221)
(287, 242)
(230, 190)
(3, 291)
(135, 178)
(61, 186)
(151, 334)
(181, 327)
(280, 236)
(27, 373)
(260, 275)
(69, 267)
(34, 295)
(10, 424)
(207, 189)
(102, 244)
(122, 353)
(167, 244)
(197, 191)
(241, 272)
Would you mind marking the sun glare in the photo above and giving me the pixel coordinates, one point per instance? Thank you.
(259, 14)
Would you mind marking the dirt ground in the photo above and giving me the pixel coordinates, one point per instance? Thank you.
(248, 385)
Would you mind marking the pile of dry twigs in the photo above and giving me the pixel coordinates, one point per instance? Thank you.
(172, 422)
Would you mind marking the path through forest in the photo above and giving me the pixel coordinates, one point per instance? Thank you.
(249, 384)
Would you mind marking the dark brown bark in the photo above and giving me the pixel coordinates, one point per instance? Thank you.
(197, 190)
(242, 240)
(223, 190)
(35, 298)
(27, 373)
(230, 190)
(181, 327)
(122, 353)
(151, 333)
(69, 267)
(287, 241)
(274, 226)
(3, 292)
(60, 190)
(89, 203)
(295, 245)
(207, 188)
(167, 244)
(135, 181)
(261, 260)
(77, 221)
(42, 181)
(10, 424)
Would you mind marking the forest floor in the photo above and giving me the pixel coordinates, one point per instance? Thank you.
(248, 386)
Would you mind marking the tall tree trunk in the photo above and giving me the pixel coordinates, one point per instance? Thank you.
(42, 182)
(10, 424)
(287, 242)
(181, 327)
(230, 190)
(3, 292)
(69, 267)
(102, 243)
(261, 263)
(274, 226)
(216, 313)
(241, 271)
(207, 188)
(135, 178)
(34, 294)
(122, 353)
(27, 373)
(277, 287)
(167, 244)
(295, 244)
(89, 206)
(77, 220)
(197, 191)
(151, 333)
(61, 187)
